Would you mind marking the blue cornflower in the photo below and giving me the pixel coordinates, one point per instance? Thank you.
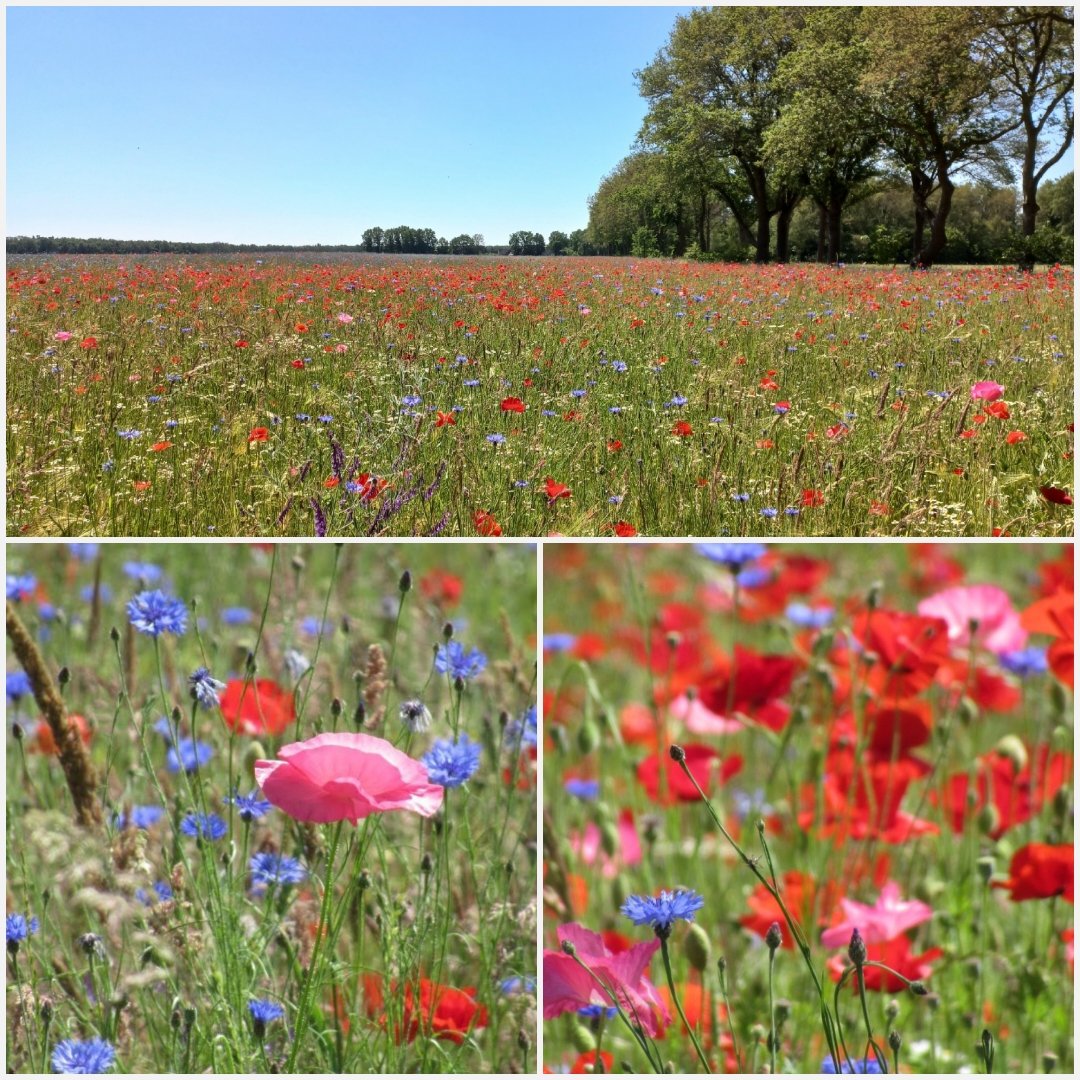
(495, 440)
(588, 790)
(251, 806)
(806, 616)
(154, 613)
(471, 382)
(618, 365)
(411, 399)
(237, 616)
(19, 928)
(595, 1012)
(18, 686)
(140, 571)
(302, 417)
(769, 511)
(733, 556)
(678, 401)
(741, 496)
(204, 826)
(518, 984)
(578, 393)
(313, 626)
(47, 611)
(20, 586)
(270, 868)
(451, 764)
(453, 658)
(163, 891)
(128, 433)
(263, 1013)
(559, 642)
(188, 755)
(84, 552)
(205, 688)
(86, 593)
(1025, 662)
(866, 1066)
(92, 1056)
(140, 817)
(326, 418)
(661, 911)
(521, 732)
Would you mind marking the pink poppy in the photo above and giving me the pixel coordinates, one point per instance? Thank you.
(987, 391)
(344, 777)
(344, 318)
(588, 845)
(568, 987)
(888, 918)
(986, 607)
(700, 719)
(62, 335)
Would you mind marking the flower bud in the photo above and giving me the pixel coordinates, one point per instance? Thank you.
(63, 676)
(404, 582)
(895, 1041)
(1010, 746)
(1049, 1060)
(774, 938)
(588, 737)
(609, 838)
(696, 946)
(581, 1037)
(892, 1010)
(856, 948)
(984, 865)
(447, 631)
(678, 754)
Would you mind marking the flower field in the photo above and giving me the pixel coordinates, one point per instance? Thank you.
(591, 397)
(271, 808)
(808, 810)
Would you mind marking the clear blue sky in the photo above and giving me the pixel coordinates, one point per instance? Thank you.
(308, 125)
(298, 125)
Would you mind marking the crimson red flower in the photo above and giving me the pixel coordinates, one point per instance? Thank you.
(760, 681)
(485, 524)
(682, 429)
(257, 708)
(623, 528)
(431, 1009)
(258, 434)
(1014, 437)
(88, 343)
(1053, 615)
(801, 895)
(1056, 496)
(895, 954)
(1040, 871)
(703, 762)
(813, 497)
(159, 446)
(442, 587)
(586, 1063)
(297, 363)
(45, 743)
(513, 404)
(442, 419)
(555, 490)
(241, 344)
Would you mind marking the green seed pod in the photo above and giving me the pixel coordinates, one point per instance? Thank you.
(985, 867)
(968, 711)
(581, 1038)
(588, 737)
(609, 838)
(697, 947)
(1010, 746)
(1059, 698)
(989, 819)
(255, 751)
(892, 1010)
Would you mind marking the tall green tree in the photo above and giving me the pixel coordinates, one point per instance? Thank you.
(941, 105)
(712, 89)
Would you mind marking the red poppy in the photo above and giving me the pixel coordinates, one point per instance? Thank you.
(615, 445)
(909, 649)
(258, 434)
(801, 896)
(88, 343)
(838, 431)
(997, 409)
(555, 490)
(442, 419)
(159, 446)
(623, 528)
(513, 404)
(813, 497)
(442, 587)
(703, 762)
(753, 686)
(895, 954)
(586, 1063)
(1040, 871)
(1056, 496)
(485, 524)
(257, 708)
(682, 429)
(301, 328)
(436, 1011)
(898, 726)
(297, 363)
(44, 741)
(331, 482)
(1014, 437)
(241, 344)
(141, 485)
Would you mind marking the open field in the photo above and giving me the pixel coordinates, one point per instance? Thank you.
(525, 397)
(271, 810)
(875, 740)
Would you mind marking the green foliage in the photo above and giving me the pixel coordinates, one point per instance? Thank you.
(525, 242)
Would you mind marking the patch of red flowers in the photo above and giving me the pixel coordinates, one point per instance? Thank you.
(259, 707)
(427, 1008)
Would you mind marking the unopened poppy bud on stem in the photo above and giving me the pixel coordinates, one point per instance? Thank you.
(405, 583)
(678, 754)
(697, 948)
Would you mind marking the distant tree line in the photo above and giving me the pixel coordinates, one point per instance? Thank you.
(71, 245)
(760, 116)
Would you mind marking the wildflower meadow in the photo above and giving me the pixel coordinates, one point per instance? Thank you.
(271, 808)
(808, 809)
(474, 397)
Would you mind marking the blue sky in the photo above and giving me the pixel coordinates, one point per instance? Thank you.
(288, 125)
(308, 125)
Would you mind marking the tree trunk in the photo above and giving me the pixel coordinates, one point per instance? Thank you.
(928, 255)
(1029, 211)
(822, 231)
(921, 188)
(783, 228)
(703, 222)
(760, 190)
(836, 212)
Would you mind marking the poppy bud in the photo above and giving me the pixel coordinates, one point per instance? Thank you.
(581, 1037)
(63, 676)
(114, 635)
(873, 595)
(1062, 804)
(447, 631)
(985, 867)
(426, 864)
(968, 711)
(1059, 698)
(856, 948)
(588, 737)
(782, 1011)
(697, 947)
(918, 988)
(359, 715)
(618, 891)
(678, 754)
(522, 1040)
(892, 1010)
(18, 731)
(254, 752)
(568, 948)
(989, 820)
(609, 838)
(335, 708)
(405, 582)
(1010, 746)
(1049, 1060)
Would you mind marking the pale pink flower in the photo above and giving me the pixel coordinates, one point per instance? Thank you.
(344, 318)
(341, 347)
(700, 719)
(987, 391)
(344, 777)
(987, 608)
(883, 921)
(588, 848)
(62, 335)
(568, 987)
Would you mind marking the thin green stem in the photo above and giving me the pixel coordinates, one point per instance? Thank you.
(678, 1005)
